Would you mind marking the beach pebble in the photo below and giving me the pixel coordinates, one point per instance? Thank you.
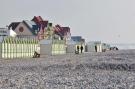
(109, 70)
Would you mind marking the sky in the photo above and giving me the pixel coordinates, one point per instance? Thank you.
(110, 21)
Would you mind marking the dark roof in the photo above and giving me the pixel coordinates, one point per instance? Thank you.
(76, 38)
(65, 30)
(13, 25)
(83, 40)
(58, 26)
(37, 19)
(44, 24)
(61, 31)
(40, 22)
(58, 30)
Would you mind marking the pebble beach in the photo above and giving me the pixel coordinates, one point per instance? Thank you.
(106, 70)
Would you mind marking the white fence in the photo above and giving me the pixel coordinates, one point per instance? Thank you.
(18, 47)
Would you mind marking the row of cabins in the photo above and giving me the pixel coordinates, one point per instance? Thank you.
(14, 47)
(28, 36)
(48, 46)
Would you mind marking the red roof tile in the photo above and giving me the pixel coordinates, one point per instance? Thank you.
(37, 19)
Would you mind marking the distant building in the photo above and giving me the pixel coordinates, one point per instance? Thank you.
(105, 47)
(40, 28)
(49, 32)
(74, 43)
(52, 47)
(27, 28)
(78, 39)
(66, 32)
(4, 32)
(94, 46)
(63, 32)
(42, 24)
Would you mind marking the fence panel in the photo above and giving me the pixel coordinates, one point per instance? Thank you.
(58, 47)
(18, 47)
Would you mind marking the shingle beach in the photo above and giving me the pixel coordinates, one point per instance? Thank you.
(107, 70)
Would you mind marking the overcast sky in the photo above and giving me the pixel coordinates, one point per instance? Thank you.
(110, 21)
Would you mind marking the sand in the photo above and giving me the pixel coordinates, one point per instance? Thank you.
(108, 70)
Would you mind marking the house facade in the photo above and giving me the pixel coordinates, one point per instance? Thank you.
(26, 28)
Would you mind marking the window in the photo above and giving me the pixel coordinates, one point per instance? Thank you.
(21, 29)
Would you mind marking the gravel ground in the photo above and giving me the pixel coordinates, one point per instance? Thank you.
(108, 70)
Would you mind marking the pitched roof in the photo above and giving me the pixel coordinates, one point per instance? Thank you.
(62, 31)
(13, 25)
(31, 25)
(65, 30)
(44, 24)
(58, 26)
(58, 30)
(40, 22)
(37, 19)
